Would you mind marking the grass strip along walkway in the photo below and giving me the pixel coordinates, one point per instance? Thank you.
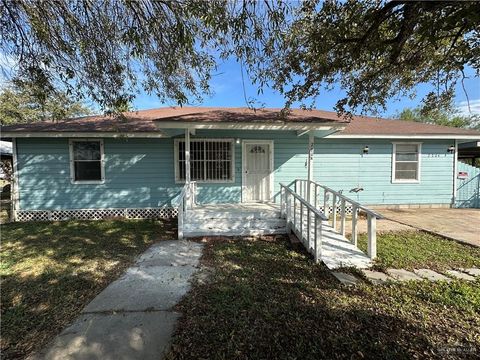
(417, 249)
(51, 270)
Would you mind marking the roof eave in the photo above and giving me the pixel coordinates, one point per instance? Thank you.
(279, 125)
(405, 136)
(85, 134)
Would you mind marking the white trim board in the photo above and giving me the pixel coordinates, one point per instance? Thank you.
(246, 126)
(455, 174)
(92, 134)
(404, 137)
(419, 163)
(14, 193)
(72, 163)
(272, 164)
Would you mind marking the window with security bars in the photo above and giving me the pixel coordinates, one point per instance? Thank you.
(210, 160)
(406, 166)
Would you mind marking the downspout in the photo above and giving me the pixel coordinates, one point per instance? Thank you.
(455, 170)
(311, 146)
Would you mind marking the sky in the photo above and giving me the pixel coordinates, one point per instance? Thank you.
(228, 87)
(228, 91)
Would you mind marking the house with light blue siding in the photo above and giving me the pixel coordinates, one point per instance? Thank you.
(136, 165)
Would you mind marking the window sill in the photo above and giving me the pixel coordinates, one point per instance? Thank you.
(405, 181)
(213, 182)
(87, 182)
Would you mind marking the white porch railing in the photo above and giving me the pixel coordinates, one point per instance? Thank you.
(303, 219)
(318, 195)
(186, 202)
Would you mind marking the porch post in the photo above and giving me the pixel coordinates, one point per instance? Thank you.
(455, 172)
(14, 189)
(187, 164)
(311, 143)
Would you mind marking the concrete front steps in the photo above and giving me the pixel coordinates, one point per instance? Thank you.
(234, 220)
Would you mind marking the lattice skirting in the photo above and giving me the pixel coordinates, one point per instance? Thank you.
(348, 209)
(96, 214)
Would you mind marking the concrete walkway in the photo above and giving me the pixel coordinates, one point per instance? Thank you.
(462, 225)
(401, 275)
(132, 318)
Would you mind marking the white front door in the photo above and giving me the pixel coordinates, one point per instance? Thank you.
(257, 171)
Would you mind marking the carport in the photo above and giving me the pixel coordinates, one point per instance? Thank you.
(468, 175)
(469, 153)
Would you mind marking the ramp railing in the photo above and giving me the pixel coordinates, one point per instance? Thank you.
(335, 206)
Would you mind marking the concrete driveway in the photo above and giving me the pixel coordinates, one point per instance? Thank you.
(462, 225)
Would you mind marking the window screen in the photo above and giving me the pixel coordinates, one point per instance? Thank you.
(210, 160)
(87, 160)
(406, 162)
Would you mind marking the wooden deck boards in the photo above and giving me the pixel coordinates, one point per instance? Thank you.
(336, 250)
(263, 218)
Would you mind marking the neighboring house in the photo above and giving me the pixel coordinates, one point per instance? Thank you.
(5, 157)
(136, 165)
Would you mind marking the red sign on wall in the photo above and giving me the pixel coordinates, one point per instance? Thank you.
(462, 175)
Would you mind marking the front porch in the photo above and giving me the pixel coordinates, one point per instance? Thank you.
(320, 229)
(263, 204)
(234, 220)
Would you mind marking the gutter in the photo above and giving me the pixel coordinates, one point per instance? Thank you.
(407, 136)
(76, 134)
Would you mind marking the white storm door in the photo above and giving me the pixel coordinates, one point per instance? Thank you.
(257, 171)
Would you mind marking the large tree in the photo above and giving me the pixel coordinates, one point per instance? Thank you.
(374, 50)
(24, 103)
(108, 50)
(444, 116)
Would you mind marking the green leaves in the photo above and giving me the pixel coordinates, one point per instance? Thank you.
(374, 50)
(25, 103)
(108, 50)
(440, 116)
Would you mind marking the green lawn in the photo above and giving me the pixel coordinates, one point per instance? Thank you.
(417, 249)
(50, 271)
(264, 300)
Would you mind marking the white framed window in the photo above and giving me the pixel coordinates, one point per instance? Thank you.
(211, 160)
(406, 162)
(87, 165)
